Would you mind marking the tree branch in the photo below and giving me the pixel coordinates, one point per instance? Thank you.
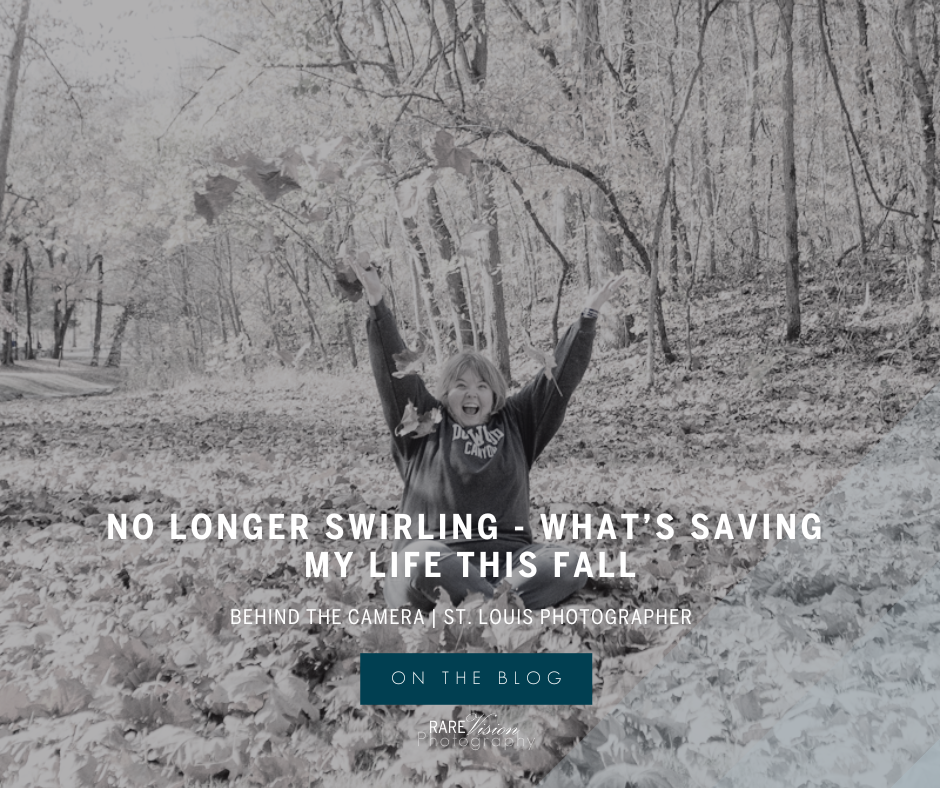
(68, 88)
(565, 263)
(213, 41)
(823, 21)
(597, 180)
(188, 101)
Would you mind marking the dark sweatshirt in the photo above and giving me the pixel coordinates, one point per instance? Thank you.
(478, 470)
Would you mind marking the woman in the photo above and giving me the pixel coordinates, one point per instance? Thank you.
(475, 462)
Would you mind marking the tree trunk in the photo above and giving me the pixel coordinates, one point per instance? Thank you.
(350, 341)
(857, 199)
(752, 254)
(58, 350)
(304, 294)
(866, 85)
(463, 331)
(678, 109)
(6, 135)
(425, 285)
(706, 184)
(791, 247)
(224, 318)
(99, 309)
(588, 46)
(683, 252)
(6, 302)
(13, 81)
(188, 311)
(237, 325)
(602, 249)
(627, 71)
(380, 36)
(28, 292)
(584, 220)
(437, 44)
(117, 341)
(673, 240)
(907, 20)
(492, 265)
(478, 63)
(463, 68)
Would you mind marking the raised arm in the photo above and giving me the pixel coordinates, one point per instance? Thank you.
(539, 408)
(384, 342)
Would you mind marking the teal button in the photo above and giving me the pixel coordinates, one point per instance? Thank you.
(485, 679)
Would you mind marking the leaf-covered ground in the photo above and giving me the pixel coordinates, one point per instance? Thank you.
(118, 664)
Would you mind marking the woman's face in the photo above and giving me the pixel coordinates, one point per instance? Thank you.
(470, 399)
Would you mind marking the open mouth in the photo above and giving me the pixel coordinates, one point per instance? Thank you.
(471, 410)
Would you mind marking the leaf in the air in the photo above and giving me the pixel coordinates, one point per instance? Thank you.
(203, 207)
(547, 360)
(443, 147)
(329, 172)
(463, 160)
(449, 155)
(349, 285)
(418, 425)
(265, 176)
(218, 196)
(409, 362)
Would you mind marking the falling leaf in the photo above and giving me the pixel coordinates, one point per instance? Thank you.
(409, 362)
(218, 196)
(418, 425)
(449, 155)
(266, 176)
(203, 207)
(329, 172)
(547, 360)
(349, 285)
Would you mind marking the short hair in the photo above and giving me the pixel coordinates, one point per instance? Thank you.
(482, 366)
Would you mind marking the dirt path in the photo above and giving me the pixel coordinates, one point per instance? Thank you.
(45, 378)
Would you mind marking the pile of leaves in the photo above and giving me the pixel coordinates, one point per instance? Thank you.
(119, 664)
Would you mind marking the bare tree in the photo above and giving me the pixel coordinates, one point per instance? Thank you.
(6, 135)
(791, 243)
(923, 93)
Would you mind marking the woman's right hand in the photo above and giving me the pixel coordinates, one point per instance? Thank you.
(369, 277)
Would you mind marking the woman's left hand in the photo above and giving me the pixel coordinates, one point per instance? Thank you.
(602, 295)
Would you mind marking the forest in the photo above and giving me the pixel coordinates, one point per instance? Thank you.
(765, 172)
(492, 159)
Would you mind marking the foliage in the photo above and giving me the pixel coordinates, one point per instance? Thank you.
(122, 656)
